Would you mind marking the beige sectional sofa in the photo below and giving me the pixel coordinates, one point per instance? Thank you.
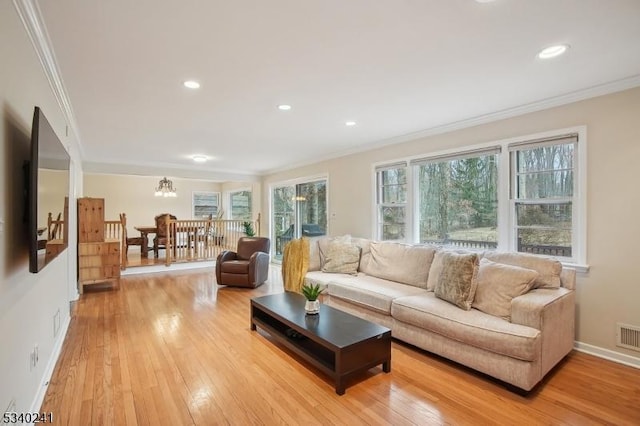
(515, 321)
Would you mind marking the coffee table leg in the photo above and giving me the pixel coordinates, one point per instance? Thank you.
(340, 387)
(386, 366)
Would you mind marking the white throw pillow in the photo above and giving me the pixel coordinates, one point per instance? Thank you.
(549, 269)
(498, 284)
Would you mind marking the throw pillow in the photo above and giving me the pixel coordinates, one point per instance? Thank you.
(436, 266)
(341, 258)
(456, 283)
(549, 269)
(323, 246)
(498, 284)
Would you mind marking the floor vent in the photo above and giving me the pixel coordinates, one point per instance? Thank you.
(628, 336)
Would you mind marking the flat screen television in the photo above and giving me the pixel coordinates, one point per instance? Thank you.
(47, 194)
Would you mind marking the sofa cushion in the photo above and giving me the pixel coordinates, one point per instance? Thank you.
(548, 268)
(498, 284)
(341, 257)
(371, 292)
(456, 282)
(471, 327)
(398, 262)
(323, 280)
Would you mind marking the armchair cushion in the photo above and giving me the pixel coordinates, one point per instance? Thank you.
(235, 267)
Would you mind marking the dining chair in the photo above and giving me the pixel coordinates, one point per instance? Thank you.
(162, 237)
(128, 241)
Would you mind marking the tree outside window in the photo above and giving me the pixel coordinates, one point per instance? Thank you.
(458, 201)
(544, 188)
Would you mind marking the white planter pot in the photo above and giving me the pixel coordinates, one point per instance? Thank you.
(312, 307)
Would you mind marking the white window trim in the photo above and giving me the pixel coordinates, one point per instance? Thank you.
(506, 218)
(381, 166)
(296, 181)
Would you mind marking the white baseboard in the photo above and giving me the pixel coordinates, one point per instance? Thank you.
(163, 268)
(631, 361)
(51, 365)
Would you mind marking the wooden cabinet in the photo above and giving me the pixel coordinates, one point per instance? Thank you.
(98, 258)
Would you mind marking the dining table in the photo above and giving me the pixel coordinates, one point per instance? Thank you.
(144, 233)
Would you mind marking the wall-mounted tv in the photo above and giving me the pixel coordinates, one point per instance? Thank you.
(47, 194)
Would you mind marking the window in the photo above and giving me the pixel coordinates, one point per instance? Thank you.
(298, 209)
(392, 201)
(204, 204)
(458, 199)
(525, 195)
(240, 205)
(543, 188)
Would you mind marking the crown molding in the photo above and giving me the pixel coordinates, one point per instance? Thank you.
(31, 18)
(568, 98)
(165, 169)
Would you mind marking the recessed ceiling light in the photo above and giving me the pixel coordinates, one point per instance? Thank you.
(349, 123)
(484, 1)
(199, 158)
(191, 84)
(284, 107)
(553, 51)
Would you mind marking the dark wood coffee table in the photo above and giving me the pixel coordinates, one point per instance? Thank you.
(337, 343)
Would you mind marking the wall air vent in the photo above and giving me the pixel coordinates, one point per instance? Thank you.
(628, 336)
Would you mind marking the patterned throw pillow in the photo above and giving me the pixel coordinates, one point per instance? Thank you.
(341, 257)
(498, 284)
(456, 283)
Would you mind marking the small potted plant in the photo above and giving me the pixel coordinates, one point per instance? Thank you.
(248, 229)
(311, 293)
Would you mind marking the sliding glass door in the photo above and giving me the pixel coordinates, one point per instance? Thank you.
(298, 210)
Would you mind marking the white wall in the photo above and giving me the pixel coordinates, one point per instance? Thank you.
(134, 195)
(28, 302)
(610, 292)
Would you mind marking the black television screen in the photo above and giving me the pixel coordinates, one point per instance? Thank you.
(48, 194)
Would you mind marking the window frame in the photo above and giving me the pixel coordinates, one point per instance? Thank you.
(506, 240)
(380, 204)
(577, 200)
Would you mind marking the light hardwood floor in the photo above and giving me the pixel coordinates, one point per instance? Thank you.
(174, 349)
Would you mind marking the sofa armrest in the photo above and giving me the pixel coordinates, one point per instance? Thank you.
(552, 311)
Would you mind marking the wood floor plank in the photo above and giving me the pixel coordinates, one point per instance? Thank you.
(174, 348)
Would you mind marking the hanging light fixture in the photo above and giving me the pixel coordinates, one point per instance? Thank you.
(165, 188)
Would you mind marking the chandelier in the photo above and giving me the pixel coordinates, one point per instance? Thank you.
(165, 188)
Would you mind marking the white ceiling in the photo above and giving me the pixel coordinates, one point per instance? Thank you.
(396, 67)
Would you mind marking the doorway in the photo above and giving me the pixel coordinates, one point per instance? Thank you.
(298, 210)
